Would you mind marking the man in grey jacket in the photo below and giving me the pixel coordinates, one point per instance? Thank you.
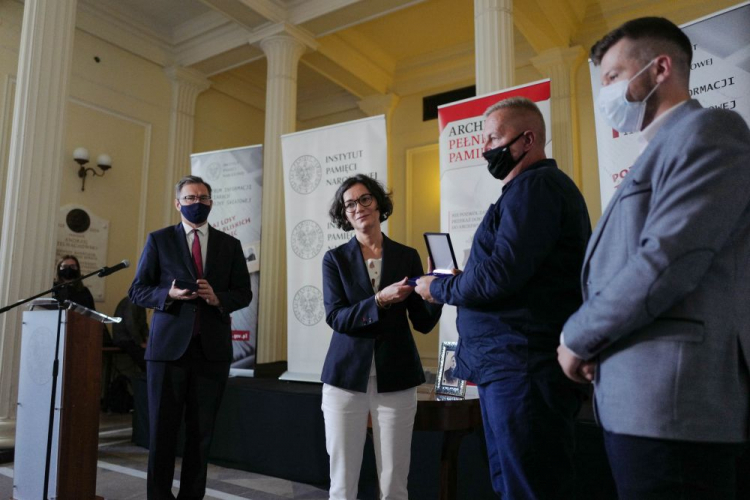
(664, 331)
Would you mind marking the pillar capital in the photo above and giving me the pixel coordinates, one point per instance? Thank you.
(283, 53)
(284, 32)
(187, 77)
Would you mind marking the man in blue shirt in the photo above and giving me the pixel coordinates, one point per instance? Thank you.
(520, 284)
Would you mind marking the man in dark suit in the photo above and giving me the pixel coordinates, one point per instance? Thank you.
(664, 331)
(189, 348)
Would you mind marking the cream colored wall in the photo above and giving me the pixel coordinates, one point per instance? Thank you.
(408, 131)
(222, 122)
(119, 106)
(422, 214)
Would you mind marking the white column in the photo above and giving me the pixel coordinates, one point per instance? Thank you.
(186, 85)
(494, 51)
(32, 194)
(283, 53)
(559, 65)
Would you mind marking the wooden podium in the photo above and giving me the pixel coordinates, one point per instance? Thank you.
(75, 435)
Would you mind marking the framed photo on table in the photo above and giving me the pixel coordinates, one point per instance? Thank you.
(445, 382)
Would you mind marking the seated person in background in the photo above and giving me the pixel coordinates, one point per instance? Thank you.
(68, 270)
(131, 334)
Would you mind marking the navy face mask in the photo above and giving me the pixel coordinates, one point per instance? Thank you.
(197, 213)
(500, 161)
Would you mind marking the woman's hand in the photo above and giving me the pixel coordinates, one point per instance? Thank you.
(392, 294)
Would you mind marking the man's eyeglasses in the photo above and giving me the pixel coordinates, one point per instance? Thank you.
(365, 200)
(191, 198)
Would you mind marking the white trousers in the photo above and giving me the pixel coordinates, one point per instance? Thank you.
(345, 415)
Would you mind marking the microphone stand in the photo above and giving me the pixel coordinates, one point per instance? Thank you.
(54, 289)
(104, 271)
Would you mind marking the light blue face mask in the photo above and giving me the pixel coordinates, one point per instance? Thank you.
(621, 114)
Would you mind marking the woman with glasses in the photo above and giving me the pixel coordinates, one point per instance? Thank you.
(69, 270)
(372, 366)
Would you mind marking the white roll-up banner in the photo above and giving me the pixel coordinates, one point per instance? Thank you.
(236, 179)
(316, 162)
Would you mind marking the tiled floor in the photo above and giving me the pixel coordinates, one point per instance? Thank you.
(122, 471)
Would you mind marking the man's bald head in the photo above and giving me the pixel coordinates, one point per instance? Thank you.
(514, 128)
(520, 113)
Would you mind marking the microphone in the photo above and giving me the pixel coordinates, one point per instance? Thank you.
(106, 271)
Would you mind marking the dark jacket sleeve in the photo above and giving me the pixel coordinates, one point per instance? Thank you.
(527, 227)
(238, 294)
(148, 289)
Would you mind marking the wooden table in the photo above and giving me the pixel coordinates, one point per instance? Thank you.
(455, 418)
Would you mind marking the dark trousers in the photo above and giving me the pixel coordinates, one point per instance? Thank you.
(660, 469)
(529, 428)
(195, 386)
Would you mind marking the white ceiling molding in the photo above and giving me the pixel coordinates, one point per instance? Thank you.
(240, 12)
(123, 19)
(211, 44)
(197, 26)
(126, 36)
(299, 34)
(312, 9)
(346, 20)
(266, 8)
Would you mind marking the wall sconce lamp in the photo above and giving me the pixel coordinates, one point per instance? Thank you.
(81, 156)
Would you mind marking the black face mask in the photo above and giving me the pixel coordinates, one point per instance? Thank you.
(197, 213)
(499, 160)
(68, 273)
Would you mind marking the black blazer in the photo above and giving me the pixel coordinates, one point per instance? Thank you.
(359, 327)
(166, 257)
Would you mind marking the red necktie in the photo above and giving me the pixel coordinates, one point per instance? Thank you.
(198, 263)
(197, 255)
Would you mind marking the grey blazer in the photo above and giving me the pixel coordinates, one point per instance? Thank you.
(666, 286)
